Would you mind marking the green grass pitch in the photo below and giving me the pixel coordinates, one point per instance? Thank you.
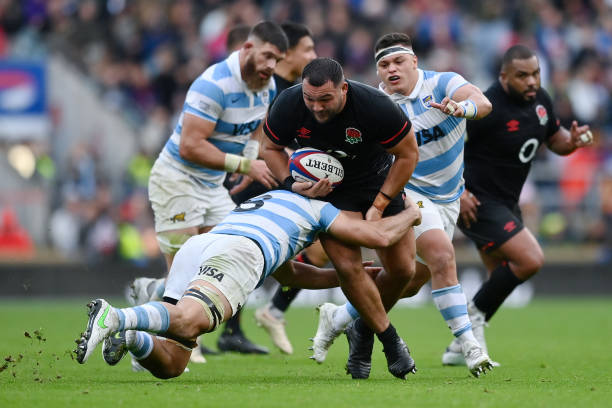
(554, 353)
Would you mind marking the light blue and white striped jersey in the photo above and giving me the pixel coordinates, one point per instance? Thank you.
(440, 137)
(281, 222)
(220, 95)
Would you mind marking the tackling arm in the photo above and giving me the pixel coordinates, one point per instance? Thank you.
(301, 275)
(378, 233)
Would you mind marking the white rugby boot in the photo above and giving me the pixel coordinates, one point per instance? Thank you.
(477, 361)
(326, 334)
(275, 328)
(102, 322)
(138, 292)
(453, 354)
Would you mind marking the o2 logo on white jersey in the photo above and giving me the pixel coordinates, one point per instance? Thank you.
(528, 150)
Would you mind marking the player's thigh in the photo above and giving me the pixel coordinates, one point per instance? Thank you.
(495, 225)
(523, 252)
(434, 234)
(233, 265)
(180, 201)
(346, 258)
(316, 254)
(398, 259)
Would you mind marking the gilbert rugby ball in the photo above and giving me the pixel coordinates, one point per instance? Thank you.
(308, 164)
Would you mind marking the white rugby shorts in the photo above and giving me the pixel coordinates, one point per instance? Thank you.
(180, 200)
(442, 216)
(231, 263)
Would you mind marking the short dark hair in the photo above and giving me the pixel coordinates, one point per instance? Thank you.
(270, 32)
(320, 70)
(516, 52)
(295, 32)
(237, 35)
(390, 39)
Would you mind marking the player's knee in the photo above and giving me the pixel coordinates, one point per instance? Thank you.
(348, 268)
(531, 263)
(442, 263)
(168, 371)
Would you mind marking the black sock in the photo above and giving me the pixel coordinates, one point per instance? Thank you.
(285, 295)
(388, 336)
(233, 324)
(362, 327)
(494, 291)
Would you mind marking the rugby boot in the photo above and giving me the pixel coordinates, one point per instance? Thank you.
(275, 328)
(103, 320)
(360, 344)
(399, 361)
(114, 347)
(326, 334)
(237, 341)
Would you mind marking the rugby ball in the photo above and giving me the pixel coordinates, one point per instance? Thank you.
(308, 164)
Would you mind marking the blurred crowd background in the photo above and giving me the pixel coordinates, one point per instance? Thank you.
(117, 72)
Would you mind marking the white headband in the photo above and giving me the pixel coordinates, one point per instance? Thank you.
(394, 49)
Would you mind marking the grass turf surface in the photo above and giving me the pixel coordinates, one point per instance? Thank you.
(554, 353)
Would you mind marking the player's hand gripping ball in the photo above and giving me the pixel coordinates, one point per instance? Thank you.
(308, 164)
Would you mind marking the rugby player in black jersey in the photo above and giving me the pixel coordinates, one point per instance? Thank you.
(374, 141)
(498, 157)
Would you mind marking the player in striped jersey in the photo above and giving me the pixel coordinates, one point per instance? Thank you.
(224, 107)
(438, 104)
(213, 274)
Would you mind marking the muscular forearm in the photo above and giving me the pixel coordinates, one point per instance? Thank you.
(562, 143)
(203, 153)
(483, 105)
(300, 275)
(276, 159)
(400, 173)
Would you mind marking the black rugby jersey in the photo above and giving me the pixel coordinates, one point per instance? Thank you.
(358, 136)
(501, 146)
(281, 84)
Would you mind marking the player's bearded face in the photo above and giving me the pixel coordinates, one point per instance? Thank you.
(522, 79)
(260, 64)
(324, 101)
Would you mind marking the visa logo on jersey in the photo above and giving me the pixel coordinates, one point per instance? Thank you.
(245, 128)
(425, 136)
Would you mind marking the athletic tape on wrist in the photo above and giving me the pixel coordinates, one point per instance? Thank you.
(236, 164)
(251, 149)
(469, 109)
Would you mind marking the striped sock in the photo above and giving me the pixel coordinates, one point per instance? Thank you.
(139, 343)
(152, 316)
(452, 304)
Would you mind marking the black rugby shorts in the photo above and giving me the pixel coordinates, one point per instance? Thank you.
(496, 224)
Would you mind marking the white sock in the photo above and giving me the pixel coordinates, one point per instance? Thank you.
(341, 318)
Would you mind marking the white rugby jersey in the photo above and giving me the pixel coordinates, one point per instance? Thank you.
(220, 95)
(440, 137)
(281, 222)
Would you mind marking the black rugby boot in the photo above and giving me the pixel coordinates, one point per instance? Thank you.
(399, 361)
(361, 343)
